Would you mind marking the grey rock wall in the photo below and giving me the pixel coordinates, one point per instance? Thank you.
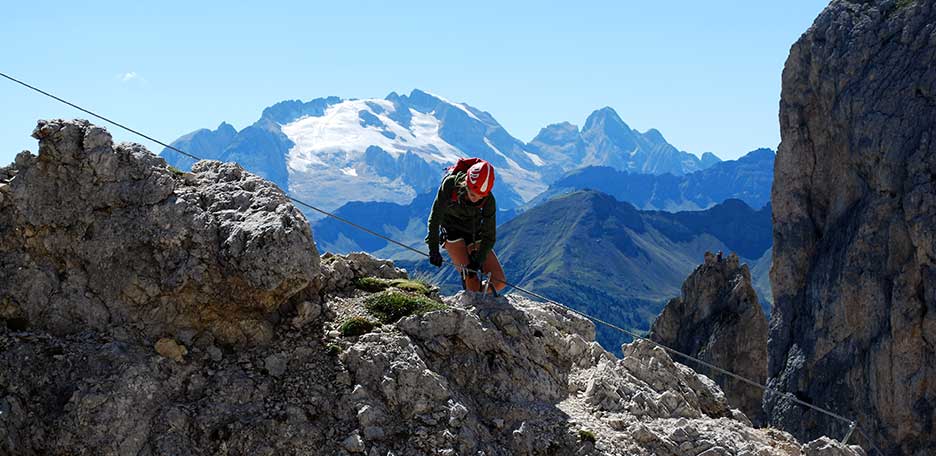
(854, 207)
(94, 235)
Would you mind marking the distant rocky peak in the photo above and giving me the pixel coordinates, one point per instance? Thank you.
(423, 101)
(594, 198)
(762, 153)
(226, 129)
(290, 110)
(458, 115)
(605, 118)
(708, 159)
(557, 134)
(612, 142)
(654, 136)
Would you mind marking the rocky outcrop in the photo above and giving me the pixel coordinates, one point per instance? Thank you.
(718, 320)
(854, 207)
(110, 238)
(340, 271)
(504, 376)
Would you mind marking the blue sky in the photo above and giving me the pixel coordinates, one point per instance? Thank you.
(706, 74)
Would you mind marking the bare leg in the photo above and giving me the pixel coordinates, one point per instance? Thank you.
(493, 267)
(459, 255)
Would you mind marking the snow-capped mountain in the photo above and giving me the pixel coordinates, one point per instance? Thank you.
(395, 148)
(330, 151)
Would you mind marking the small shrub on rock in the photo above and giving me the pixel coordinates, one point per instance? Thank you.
(587, 436)
(372, 284)
(413, 286)
(392, 305)
(356, 326)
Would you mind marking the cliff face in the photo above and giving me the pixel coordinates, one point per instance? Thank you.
(127, 279)
(108, 237)
(718, 320)
(854, 206)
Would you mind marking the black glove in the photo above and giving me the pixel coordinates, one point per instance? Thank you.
(435, 258)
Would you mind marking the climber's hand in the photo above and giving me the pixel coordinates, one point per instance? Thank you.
(435, 258)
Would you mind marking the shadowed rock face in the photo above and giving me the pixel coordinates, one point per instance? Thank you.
(718, 319)
(107, 237)
(854, 206)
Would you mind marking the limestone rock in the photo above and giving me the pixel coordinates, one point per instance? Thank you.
(854, 207)
(104, 237)
(493, 376)
(171, 349)
(718, 320)
(88, 393)
(339, 271)
(453, 376)
(353, 443)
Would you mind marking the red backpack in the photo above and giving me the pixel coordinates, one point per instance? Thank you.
(462, 165)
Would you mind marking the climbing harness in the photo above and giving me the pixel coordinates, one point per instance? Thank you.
(487, 282)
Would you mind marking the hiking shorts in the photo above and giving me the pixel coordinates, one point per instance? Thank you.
(454, 236)
(450, 235)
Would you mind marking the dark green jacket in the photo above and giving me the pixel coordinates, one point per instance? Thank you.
(463, 215)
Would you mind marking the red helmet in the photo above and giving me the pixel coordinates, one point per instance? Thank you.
(480, 178)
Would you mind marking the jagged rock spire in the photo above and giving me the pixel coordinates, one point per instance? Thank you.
(719, 320)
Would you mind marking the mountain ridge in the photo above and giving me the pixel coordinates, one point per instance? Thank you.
(609, 252)
(748, 178)
(329, 150)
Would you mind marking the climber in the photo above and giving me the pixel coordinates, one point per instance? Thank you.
(463, 219)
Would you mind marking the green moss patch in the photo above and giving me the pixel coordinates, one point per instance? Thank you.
(356, 326)
(372, 284)
(413, 286)
(587, 436)
(391, 305)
